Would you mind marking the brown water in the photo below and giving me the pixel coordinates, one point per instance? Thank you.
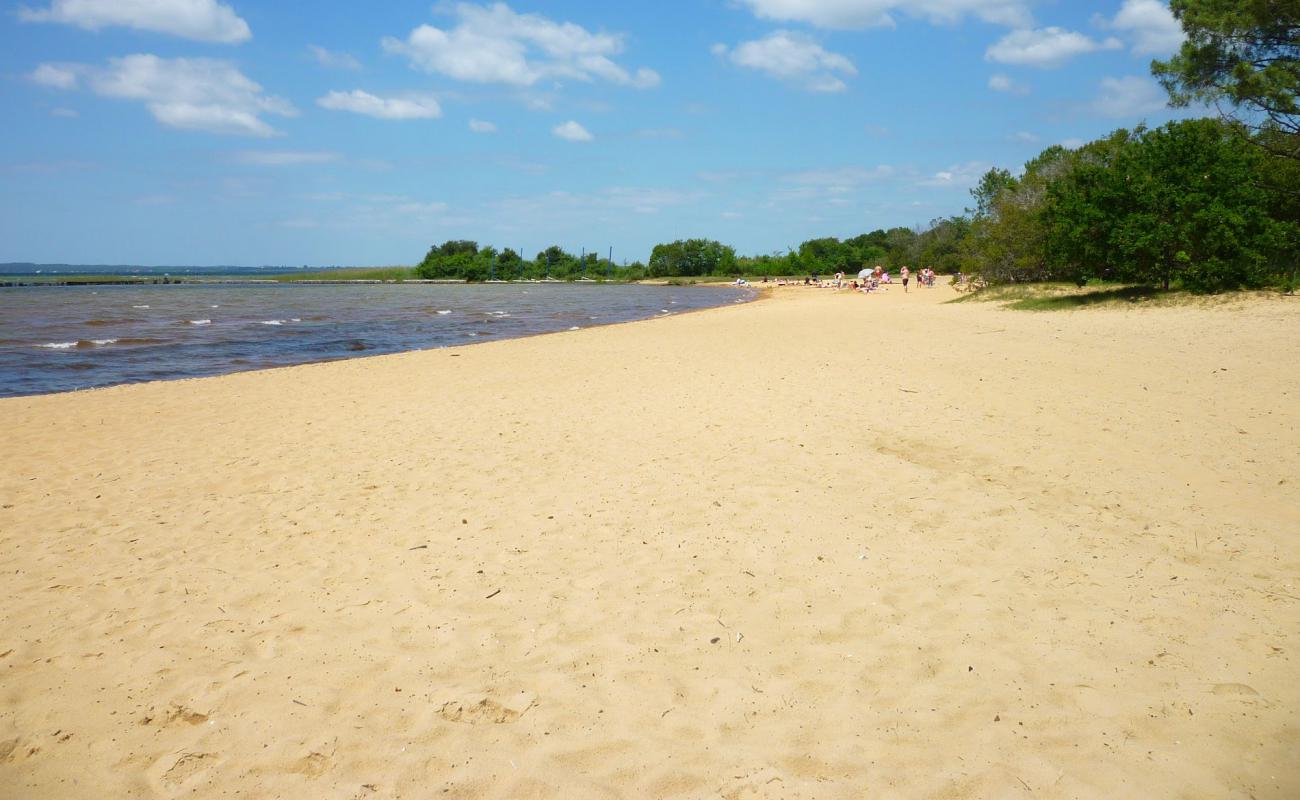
(56, 339)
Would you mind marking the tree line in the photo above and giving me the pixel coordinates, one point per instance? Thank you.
(1204, 204)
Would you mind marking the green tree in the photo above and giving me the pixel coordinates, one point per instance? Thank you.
(990, 186)
(1179, 203)
(1242, 52)
(692, 257)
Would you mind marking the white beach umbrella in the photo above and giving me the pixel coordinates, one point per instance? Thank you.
(863, 273)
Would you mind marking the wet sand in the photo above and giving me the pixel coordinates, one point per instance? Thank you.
(824, 545)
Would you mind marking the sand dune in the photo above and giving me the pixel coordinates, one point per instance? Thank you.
(820, 546)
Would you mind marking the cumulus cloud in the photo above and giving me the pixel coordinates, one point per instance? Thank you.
(494, 44)
(793, 57)
(1044, 47)
(1004, 83)
(56, 76)
(331, 60)
(858, 14)
(482, 126)
(199, 94)
(573, 132)
(394, 108)
(1128, 97)
(201, 20)
(1150, 26)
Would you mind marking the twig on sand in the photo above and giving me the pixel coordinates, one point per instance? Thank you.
(494, 594)
(419, 547)
(909, 391)
(1022, 783)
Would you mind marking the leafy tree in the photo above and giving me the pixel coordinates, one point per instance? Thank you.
(692, 257)
(1242, 52)
(991, 184)
(1179, 203)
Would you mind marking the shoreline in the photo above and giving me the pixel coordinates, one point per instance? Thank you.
(750, 294)
(822, 545)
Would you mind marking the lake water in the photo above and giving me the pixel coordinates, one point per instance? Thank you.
(62, 338)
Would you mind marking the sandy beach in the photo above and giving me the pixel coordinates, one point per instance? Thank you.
(823, 545)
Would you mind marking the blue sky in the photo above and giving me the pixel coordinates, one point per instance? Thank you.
(248, 132)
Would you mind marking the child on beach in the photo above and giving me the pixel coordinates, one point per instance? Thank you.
(904, 274)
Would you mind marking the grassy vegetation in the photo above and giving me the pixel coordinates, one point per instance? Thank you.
(357, 274)
(1067, 296)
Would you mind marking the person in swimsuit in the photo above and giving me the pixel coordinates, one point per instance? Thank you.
(904, 273)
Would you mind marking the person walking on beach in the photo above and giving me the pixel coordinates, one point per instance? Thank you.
(904, 273)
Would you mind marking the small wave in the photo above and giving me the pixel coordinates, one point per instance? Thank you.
(295, 319)
(575, 328)
(445, 311)
(216, 306)
(139, 306)
(199, 322)
(80, 344)
(498, 313)
(271, 322)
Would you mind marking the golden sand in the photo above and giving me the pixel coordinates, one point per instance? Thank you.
(825, 545)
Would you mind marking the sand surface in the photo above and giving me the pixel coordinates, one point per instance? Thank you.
(820, 546)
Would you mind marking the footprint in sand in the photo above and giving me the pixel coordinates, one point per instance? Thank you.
(14, 750)
(1239, 689)
(312, 765)
(476, 711)
(184, 770)
(177, 713)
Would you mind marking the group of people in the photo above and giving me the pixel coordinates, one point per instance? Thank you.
(868, 280)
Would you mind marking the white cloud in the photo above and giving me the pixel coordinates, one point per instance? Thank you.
(200, 94)
(395, 108)
(66, 113)
(202, 20)
(1044, 47)
(960, 176)
(1072, 143)
(1004, 83)
(857, 14)
(493, 44)
(56, 76)
(332, 60)
(572, 132)
(482, 126)
(1150, 26)
(1129, 97)
(1025, 137)
(793, 57)
(284, 158)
